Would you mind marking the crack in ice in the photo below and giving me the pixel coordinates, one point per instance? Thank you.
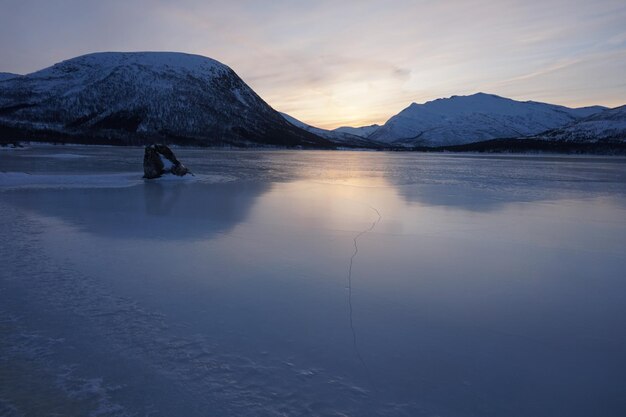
(356, 251)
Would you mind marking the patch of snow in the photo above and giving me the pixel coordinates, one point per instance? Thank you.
(237, 93)
(167, 164)
(13, 148)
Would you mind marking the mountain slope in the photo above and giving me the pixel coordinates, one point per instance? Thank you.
(7, 76)
(335, 136)
(465, 119)
(606, 126)
(142, 97)
(362, 131)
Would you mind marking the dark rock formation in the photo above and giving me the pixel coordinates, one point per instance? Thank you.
(159, 159)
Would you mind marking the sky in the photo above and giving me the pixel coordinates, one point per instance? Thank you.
(349, 63)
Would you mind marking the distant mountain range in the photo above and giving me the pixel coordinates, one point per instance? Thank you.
(363, 131)
(339, 136)
(142, 97)
(465, 119)
(487, 119)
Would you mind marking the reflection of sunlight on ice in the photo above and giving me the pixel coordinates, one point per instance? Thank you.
(369, 181)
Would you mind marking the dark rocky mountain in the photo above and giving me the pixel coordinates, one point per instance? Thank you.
(142, 97)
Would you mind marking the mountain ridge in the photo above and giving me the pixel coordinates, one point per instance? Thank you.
(606, 126)
(337, 136)
(8, 75)
(464, 119)
(362, 131)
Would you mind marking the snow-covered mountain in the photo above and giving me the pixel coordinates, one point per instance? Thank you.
(143, 96)
(337, 136)
(466, 119)
(606, 126)
(7, 75)
(362, 131)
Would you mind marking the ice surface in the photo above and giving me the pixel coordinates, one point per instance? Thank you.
(269, 285)
(12, 180)
(21, 180)
(59, 156)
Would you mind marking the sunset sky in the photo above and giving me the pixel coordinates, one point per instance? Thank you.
(334, 63)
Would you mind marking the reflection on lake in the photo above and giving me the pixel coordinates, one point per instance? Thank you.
(490, 286)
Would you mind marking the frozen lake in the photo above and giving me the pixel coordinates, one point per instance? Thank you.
(292, 283)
